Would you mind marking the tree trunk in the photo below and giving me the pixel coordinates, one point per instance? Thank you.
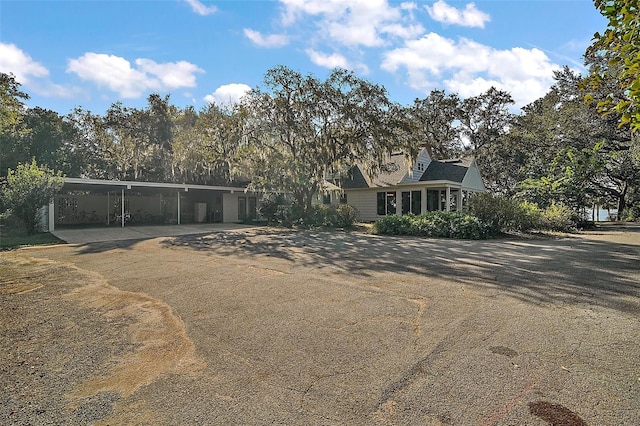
(622, 200)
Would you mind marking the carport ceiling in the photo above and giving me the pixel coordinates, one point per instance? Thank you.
(99, 185)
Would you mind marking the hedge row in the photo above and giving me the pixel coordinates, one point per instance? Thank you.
(439, 224)
(279, 212)
(489, 216)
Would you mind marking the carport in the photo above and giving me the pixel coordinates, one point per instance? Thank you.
(97, 202)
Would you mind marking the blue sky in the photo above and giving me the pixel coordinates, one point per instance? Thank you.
(93, 53)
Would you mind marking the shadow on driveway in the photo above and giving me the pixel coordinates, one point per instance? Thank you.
(565, 270)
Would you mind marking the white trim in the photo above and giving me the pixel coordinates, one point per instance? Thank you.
(178, 215)
(122, 207)
(130, 184)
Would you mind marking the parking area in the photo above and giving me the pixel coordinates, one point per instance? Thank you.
(274, 326)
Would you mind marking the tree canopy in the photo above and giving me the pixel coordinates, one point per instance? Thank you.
(294, 130)
(619, 45)
(300, 128)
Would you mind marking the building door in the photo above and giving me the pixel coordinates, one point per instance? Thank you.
(242, 208)
(247, 208)
(216, 211)
(252, 208)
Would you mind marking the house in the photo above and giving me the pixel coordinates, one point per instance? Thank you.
(429, 186)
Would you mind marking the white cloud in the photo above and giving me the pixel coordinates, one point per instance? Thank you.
(294, 9)
(368, 23)
(15, 61)
(331, 61)
(272, 40)
(117, 74)
(31, 73)
(469, 17)
(200, 8)
(335, 60)
(470, 68)
(228, 94)
(172, 75)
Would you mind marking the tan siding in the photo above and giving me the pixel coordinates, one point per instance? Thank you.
(365, 202)
(230, 204)
(230, 207)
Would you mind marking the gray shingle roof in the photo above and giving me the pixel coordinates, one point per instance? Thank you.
(441, 170)
(355, 179)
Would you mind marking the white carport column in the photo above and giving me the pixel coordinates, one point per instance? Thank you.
(122, 207)
(459, 200)
(447, 202)
(52, 215)
(178, 216)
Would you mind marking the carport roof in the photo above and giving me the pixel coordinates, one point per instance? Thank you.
(81, 184)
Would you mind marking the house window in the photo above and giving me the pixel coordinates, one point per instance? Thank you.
(406, 202)
(416, 202)
(343, 198)
(326, 199)
(433, 196)
(386, 203)
(412, 202)
(421, 167)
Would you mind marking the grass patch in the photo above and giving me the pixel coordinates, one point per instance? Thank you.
(14, 241)
(13, 235)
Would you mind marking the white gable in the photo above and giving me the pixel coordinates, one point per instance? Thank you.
(419, 166)
(472, 179)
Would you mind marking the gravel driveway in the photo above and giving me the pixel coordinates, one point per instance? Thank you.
(270, 326)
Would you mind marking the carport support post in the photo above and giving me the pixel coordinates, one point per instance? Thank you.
(52, 217)
(122, 206)
(178, 207)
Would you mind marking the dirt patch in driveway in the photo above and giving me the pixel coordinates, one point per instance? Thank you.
(156, 339)
(276, 326)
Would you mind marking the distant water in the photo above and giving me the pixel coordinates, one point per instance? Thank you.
(602, 215)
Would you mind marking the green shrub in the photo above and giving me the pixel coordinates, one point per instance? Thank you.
(503, 214)
(269, 206)
(27, 189)
(394, 225)
(280, 212)
(497, 213)
(630, 214)
(438, 224)
(318, 215)
(558, 217)
(345, 216)
(283, 215)
(528, 217)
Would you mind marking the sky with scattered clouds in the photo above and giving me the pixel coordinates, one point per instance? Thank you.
(92, 53)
